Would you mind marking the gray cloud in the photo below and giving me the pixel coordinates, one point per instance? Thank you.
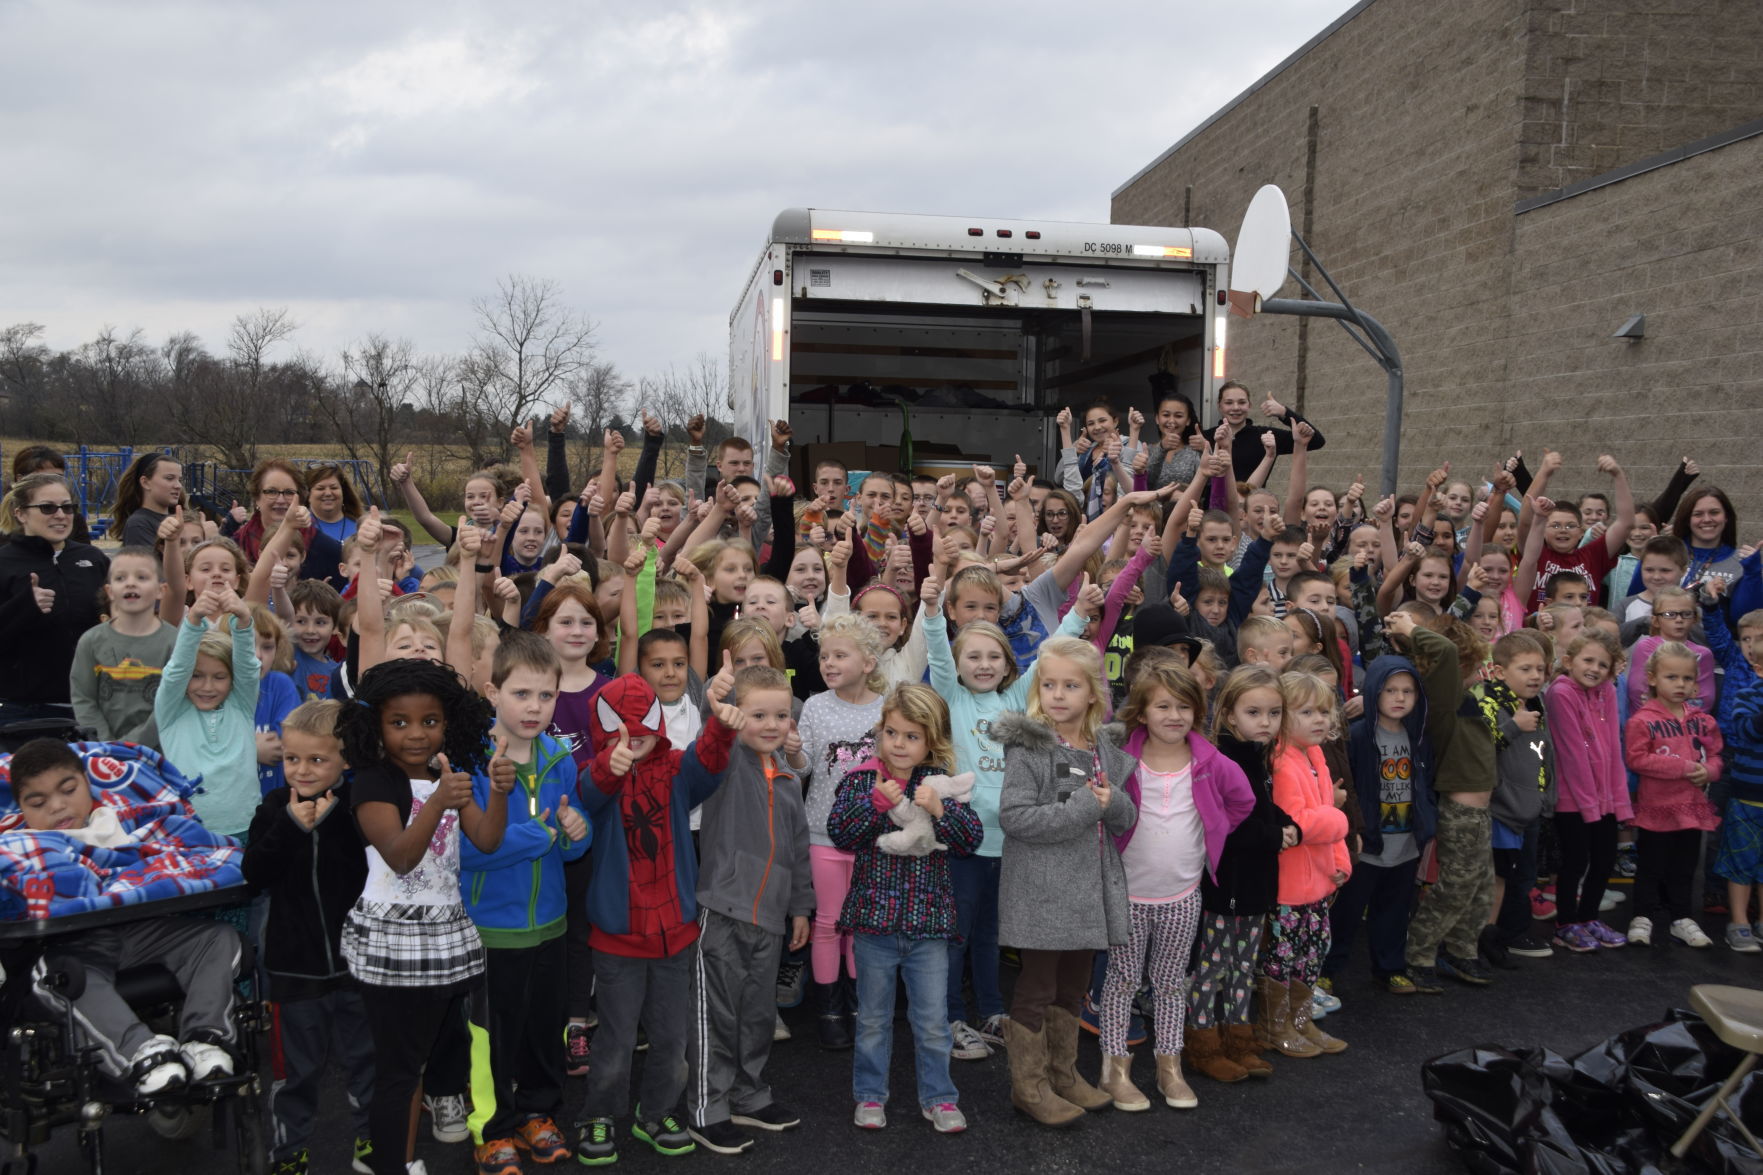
(377, 166)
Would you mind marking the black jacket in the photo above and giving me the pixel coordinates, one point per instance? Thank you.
(1248, 869)
(313, 878)
(36, 650)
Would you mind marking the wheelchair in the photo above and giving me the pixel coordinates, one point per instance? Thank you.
(49, 1080)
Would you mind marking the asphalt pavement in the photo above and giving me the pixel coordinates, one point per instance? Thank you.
(1360, 1111)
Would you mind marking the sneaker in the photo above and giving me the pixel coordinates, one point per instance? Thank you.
(665, 1135)
(1575, 938)
(1493, 950)
(1399, 985)
(1470, 971)
(1625, 861)
(599, 1143)
(642, 1045)
(448, 1117)
(575, 1050)
(363, 1160)
(1325, 997)
(1318, 1009)
(870, 1116)
(1604, 936)
(1425, 980)
(416, 1167)
(1611, 899)
(1640, 932)
(780, 1030)
(1740, 939)
(1091, 1019)
(206, 1061)
(946, 1118)
(1541, 906)
(540, 1138)
(1757, 931)
(789, 984)
(1010, 957)
(294, 1164)
(1528, 946)
(772, 1117)
(721, 1138)
(496, 1156)
(966, 1044)
(991, 1030)
(157, 1067)
(1686, 931)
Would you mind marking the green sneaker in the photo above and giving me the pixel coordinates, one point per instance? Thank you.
(599, 1143)
(294, 1164)
(363, 1161)
(666, 1134)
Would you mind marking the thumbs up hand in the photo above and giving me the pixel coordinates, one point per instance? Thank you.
(724, 681)
(503, 775)
(1090, 598)
(45, 597)
(453, 789)
(571, 821)
(622, 759)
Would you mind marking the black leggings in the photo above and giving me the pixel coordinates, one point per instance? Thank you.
(1665, 871)
(406, 1022)
(578, 959)
(1588, 853)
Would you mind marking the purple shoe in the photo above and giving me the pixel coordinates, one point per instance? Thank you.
(1606, 937)
(1576, 938)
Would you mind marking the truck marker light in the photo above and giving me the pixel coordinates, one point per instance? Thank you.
(1033, 234)
(777, 330)
(1161, 251)
(1218, 347)
(848, 236)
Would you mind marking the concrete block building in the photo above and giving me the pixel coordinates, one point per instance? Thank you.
(1504, 184)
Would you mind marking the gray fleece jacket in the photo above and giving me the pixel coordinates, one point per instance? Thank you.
(1063, 887)
(753, 846)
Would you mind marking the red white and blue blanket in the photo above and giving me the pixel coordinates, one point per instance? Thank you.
(52, 874)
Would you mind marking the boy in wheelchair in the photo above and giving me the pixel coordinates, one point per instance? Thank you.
(50, 785)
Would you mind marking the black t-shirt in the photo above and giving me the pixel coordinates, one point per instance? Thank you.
(381, 784)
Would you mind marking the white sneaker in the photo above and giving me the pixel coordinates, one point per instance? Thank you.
(206, 1061)
(1686, 931)
(157, 1066)
(870, 1116)
(991, 1030)
(1611, 899)
(1640, 932)
(416, 1167)
(448, 1113)
(780, 1030)
(966, 1044)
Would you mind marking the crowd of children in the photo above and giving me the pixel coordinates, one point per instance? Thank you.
(632, 757)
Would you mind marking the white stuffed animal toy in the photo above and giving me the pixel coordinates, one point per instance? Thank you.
(915, 836)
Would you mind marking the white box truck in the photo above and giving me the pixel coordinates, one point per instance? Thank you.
(982, 327)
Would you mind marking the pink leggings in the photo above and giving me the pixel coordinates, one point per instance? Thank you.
(831, 869)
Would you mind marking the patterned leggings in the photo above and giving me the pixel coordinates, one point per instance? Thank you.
(1163, 931)
(1225, 977)
(1297, 944)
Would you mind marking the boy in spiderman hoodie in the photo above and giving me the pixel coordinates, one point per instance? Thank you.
(643, 908)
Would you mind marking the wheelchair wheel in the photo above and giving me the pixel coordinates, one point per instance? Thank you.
(175, 1122)
(244, 1114)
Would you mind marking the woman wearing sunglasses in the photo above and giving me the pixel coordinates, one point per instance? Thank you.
(49, 585)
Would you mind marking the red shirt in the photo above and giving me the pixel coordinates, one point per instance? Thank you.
(1592, 561)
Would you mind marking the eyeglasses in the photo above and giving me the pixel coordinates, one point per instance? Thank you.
(1675, 615)
(924, 497)
(1563, 526)
(1055, 515)
(278, 493)
(51, 509)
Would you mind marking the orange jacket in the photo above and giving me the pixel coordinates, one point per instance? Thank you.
(1303, 790)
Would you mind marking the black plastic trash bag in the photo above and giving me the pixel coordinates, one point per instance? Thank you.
(1613, 1110)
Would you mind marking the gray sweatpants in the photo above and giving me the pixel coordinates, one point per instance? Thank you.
(734, 1009)
(309, 1034)
(656, 993)
(203, 956)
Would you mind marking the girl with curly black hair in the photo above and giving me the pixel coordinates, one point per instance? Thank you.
(414, 734)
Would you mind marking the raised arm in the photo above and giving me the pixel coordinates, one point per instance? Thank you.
(294, 522)
(1524, 579)
(1299, 475)
(1622, 509)
(370, 612)
(400, 475)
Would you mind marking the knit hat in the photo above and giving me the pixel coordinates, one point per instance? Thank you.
(1161, 624)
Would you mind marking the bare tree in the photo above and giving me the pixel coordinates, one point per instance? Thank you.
(228, 414)
(675, 396)
(598, 392)
(527, 347)
(106, 386)
(22, 359)
(373, 405)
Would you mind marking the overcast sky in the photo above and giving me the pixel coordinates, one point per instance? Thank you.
(376, 166)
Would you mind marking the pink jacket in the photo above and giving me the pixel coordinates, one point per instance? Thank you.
(1303, 790)
(1660, 748)
(1589, 776)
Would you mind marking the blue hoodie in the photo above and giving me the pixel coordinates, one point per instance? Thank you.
(515, 894)
(1367, 761)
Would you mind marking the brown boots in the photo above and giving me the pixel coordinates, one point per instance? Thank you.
(1240, 1046)
(1175, 1090)
(1061, 1031)
(1117, 1084)
(1205, 1048)
(1274, 1023)
(1030, 1090)
(1299, 1002)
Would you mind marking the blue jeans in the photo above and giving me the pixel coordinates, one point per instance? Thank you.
(924, 964)
(975, 880)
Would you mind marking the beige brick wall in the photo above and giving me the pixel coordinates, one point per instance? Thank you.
(1428, 116)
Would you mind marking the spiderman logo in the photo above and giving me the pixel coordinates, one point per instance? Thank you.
(643, 824)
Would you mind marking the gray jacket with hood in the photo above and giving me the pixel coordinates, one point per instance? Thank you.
(1062, 887)
(753, 846)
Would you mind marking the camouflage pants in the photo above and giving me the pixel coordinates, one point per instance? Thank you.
(1455, 908)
